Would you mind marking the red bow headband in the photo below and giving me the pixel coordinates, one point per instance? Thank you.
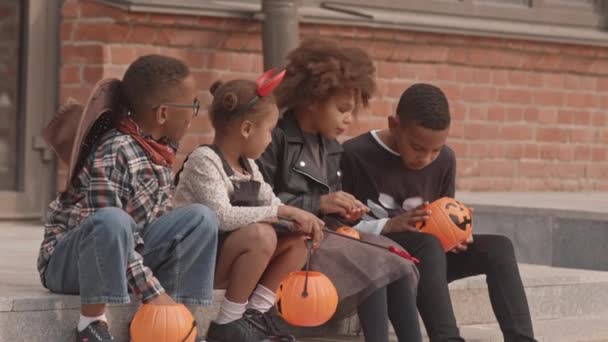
(265, 85)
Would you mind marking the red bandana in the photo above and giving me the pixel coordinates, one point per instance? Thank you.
(160, 153)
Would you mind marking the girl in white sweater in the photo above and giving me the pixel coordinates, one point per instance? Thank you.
(253, 258)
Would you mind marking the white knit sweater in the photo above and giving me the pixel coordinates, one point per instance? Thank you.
(204, 181)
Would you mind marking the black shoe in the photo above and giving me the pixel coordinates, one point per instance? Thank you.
(240, 330)
(96, 331)
(266, 325)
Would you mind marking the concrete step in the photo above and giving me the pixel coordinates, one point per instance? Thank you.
(553, 293)
(547, 228)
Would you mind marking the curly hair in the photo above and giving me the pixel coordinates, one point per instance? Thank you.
(151, 80)
(318, 69)
(425, 105)
(230, 100)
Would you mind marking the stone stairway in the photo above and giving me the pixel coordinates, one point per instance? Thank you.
(567, 304)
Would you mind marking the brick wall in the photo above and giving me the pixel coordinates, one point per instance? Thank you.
(528, 116)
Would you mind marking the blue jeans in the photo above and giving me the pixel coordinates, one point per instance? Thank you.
(179, 247)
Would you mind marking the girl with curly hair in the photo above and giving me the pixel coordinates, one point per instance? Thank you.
(323, 88)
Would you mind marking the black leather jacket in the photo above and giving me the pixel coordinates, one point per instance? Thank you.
(291, 170)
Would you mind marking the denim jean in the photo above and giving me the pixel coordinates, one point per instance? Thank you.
(179, 248)
(491, 255)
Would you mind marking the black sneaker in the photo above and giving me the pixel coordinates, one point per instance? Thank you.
(266, 324)
(240, 330)
(96, 331)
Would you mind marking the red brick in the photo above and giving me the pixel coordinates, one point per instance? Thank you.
(500, 77)
(496, 113)
(79, 93)
(190, 38)
(571, 170)
(515, 132)
(82, 54)
(459, 148)
(518, 78)
(477, 150)
(457, 54)
(458, 110)
(514, 151)
(467, 167)
(582, 152)
(70, 10)
(514, 96)
(496, 150)
(425, 72)
(219, 60)
(583, 100)
(565, 117)
(122, 55)
(445, 72)
(92, 74)
(481, 76)
(429, 53)
(67, 29)
(549, 98)
(388, 69)
(204, 79)
(547, 116)
(583, 135)
(101, 32)
(142, 35)
(146, 50)
(531, 151)
(236, 41)
(495, 168)
(407, 71)
(452, 91)
(551, 134)
(531, 115)
(515, 114)
(553, 81)
(457, 129)
(382, 50)
(582, 118)
(535, 80)
(201, 124)
(241, 62)
(381, 108)
(397, 87)
(599, 154)
(71, 74)
(477, 113)
(602, 84)
(463, 74)
(599, 119)
(478, 93)
(566, 152)
(532, 169)
(97, 10)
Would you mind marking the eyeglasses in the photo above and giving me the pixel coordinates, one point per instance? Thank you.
(196, 105)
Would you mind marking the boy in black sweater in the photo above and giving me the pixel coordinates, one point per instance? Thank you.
(406, 165)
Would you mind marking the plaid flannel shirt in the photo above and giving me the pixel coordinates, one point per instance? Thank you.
(117, 174)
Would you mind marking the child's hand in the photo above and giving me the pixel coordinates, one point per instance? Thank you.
(357, 213)
(163, 299)
(407, 221)
(341, 203)
(306, 222)
(462, 247)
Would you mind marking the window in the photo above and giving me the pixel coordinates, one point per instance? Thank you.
(10, 91)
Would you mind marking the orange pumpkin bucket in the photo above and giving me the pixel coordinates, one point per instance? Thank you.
(163, 323)
(307, 298)
(450, 221)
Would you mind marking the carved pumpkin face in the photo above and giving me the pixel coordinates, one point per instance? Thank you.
(451, 222)
(459, 214)
(163, 323)
(309, 309)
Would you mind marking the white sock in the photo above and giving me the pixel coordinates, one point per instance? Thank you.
(262, 299)
(230, 311)
(84, 321)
